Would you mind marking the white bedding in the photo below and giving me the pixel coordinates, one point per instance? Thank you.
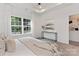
(39, 47)
(21, 50)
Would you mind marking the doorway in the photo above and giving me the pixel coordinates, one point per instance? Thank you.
(74, 30)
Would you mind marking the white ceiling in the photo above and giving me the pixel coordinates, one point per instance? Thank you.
(30, 6)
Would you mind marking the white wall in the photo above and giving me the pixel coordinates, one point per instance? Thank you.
(36, 23)
(1, 18)
(6, 11)
(60, 15)
(74, 36)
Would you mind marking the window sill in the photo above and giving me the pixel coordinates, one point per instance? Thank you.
(22, 34)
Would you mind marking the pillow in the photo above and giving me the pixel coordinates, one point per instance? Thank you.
(3, 36)
(2, 47)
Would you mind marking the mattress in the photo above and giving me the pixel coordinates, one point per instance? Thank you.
(21, 50)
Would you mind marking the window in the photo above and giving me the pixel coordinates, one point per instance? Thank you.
(20, 25)
(27, 26)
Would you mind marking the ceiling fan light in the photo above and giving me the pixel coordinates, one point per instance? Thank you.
(40, 6)
(43, 10)
(40, 11)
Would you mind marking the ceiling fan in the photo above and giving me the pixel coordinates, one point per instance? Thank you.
(39, 8)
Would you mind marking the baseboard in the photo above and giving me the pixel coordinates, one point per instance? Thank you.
(73, 42)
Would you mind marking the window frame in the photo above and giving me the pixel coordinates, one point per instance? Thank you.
(22, 26)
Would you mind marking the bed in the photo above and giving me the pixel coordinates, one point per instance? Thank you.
(29, 46)
(39, 47)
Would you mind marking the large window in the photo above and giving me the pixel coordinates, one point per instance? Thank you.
(20, 25)
(27, 26)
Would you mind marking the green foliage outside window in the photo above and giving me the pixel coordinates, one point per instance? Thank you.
(16, 25)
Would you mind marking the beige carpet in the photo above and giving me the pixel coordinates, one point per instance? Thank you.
(69, 50)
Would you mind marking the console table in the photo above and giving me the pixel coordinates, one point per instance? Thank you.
(51, 35)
